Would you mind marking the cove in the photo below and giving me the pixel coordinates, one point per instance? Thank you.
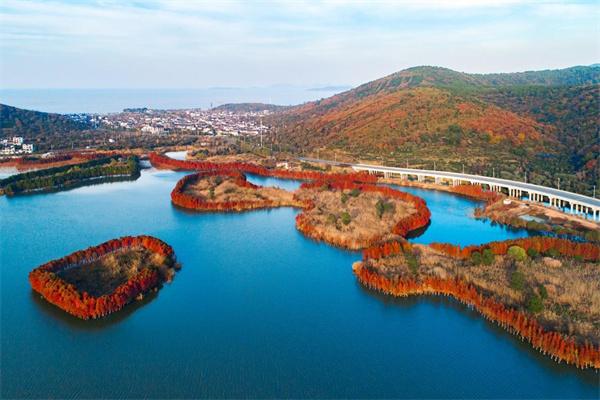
(257, 310)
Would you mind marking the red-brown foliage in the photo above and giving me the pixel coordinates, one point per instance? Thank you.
(44, 279)
(182, 199)
(559, 347)
(47, 160)
(164, 162)
(415, 221)
(386, 249)
(588, 251)
(475, 192)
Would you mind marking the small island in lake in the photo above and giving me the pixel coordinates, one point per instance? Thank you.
(543, 289)
(228, 191)
(355, 216)
(102, 279)
(106, 169)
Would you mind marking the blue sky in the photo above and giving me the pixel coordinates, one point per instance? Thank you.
(195, 44)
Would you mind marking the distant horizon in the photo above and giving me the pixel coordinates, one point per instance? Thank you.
(101, 101)
(114, 100)
(313, 87)
(183, 44)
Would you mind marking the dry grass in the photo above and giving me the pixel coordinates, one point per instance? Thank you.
(104, 275)
(505, 213)
(573, 303)
(223, 189)
(365, 226)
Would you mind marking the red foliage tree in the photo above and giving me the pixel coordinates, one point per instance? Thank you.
(160, 161)
(182, 199)
(565, 247)
(475, 192)
(412, 222)
(44, 279)
(557, 346)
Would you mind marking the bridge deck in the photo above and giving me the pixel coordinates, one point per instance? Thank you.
(527, 187)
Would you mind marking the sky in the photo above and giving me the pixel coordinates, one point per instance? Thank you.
(198, 44)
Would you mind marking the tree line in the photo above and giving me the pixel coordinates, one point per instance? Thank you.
(69, 175)
(161, 161)
(182, 199)
(45, 281)
(559, 347)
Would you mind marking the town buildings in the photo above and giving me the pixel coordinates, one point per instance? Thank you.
(15, 145)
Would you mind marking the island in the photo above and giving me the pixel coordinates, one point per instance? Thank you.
(100, 280)
(355, 216)
(542, 289)
(228, 191)
(105, 169)
(338, 207)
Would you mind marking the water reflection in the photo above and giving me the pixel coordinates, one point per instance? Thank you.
(409, 302)
(92, 324)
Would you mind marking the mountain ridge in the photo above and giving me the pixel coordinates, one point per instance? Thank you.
(509, 122)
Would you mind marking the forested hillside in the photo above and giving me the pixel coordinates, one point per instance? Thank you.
(539, 126)
(20, 122)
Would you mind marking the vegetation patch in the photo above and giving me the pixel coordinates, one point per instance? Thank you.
(551, 302)
(102, 279)
(228, 191)
(70, 176)
(535, 217)
(355, 216)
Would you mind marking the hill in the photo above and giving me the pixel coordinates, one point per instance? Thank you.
(20, 122)
(542, 124)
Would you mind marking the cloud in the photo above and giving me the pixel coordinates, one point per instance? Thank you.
(177, 43)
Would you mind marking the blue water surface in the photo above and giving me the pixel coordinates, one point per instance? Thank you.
(257, 310)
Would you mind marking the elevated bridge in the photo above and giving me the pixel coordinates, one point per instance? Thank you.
(584, 206)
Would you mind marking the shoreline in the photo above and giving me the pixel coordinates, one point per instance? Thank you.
(45, 280)
(582, 355)
(401, 269)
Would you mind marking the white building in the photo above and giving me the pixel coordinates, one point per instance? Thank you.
(152, 129)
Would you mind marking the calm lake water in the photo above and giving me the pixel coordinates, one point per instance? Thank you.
(257, 310)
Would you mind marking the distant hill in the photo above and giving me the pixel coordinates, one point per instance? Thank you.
(249, 107)
(20, 122)
(543, 124)
(447, 78)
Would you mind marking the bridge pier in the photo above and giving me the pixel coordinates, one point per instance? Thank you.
(573, 203)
